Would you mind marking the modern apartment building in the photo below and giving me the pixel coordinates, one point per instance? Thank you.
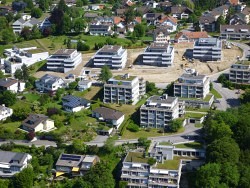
(192, 86)
(235, 32)
(207, 49)
(158, 54)
(64, 60)
(124, 89)
(113, 56)
(159, 111)
(240, 72)
(165, 173)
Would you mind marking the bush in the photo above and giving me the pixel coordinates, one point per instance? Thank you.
(151, 161)
(133, 127)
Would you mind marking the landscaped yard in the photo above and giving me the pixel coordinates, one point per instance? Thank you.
(144, 133)
(170, 164)
(31, 97)
(194, 115)
(216, 94)
(192, 145)
(125, 108)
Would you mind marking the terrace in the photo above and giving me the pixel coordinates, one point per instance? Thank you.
(124, 78)
(136, 157)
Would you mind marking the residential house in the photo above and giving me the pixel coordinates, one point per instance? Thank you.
(220, 11)
(161, 35)
(143, 10)
(64, 60)
(207, 49)
(12, 85)
(72, 103)
(70, 3)
(238, 19)
(120, 12)
(233, 2)
(18, 5)
(153, 18)
(19, 24)
(246, 13)
(75, 165)
(180, 12)
(111, 55)
(169, 21)
(158, 54)
(45, 24)
(37, 123)
(13, 163)
(4, 10)
(5, 112)
(108, 115)
(84, 84)
(49, 83)
(235, 32)
(123, 89)
(96, 7)
(240, 72)
(158, 111)
(207, 23)
(100, 30)
(90, 16)
(103, 20)
(188, 36)
(17, 57)
(192, 86)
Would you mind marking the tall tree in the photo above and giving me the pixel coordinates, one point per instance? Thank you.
(36, 12)
(106, 74)
(79, 25)
(8, 36)
(24, 179)
(220, 21)
(3, 23)
(8, 98)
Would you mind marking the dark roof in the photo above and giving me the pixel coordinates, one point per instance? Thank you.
(64, 52)
(152, 16)
(108, 113)
(49, 79)
(156, 45)
(73, 101)
(180, 9)
(110, 48)
(7, 82)
(161, 30)
(207, 19)
(12, 157)
(34, 21)
(99, 27)
(33, 120)
(90, 15)
(235, 28)
(69, 160)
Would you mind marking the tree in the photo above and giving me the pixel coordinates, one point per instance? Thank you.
(150, 87)
(245, 97)
(230, 174)
(105, 74)
(25, 72)
(8, 36)
(79, 25)
(220, 21)
(223, 150)
(3, 23)
(79, 147)
(82, 46)
(26, 33)
(133, 127)
(129, 15)
(36, 12)
(142, 141)
(100, 176)
(8, 98)
(24, 179)
(73, 85)
(175, 124)
(151, 161)
(43, 5)
(66, 24)
(139, 30)
(189, 4)
(1, 74)
(62, 6)
(208, 176)
(21, 112)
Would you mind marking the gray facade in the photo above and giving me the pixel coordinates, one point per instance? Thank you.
(235, 32)
(207, 49)
(240, 73)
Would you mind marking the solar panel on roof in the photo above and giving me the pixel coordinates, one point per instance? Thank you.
(70, 157)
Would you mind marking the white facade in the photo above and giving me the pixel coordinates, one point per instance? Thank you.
(5, 112)
(158, 54)
(112, 56)
(207, 49)
(122, 89)
(16, 57)
(64, 60)
(84, 84)
(12, 85)
(19, 24)
(192, 86)
(49, 83)
(159, 111)
(240, 73)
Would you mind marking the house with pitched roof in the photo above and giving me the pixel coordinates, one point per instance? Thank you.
(5, 112)
(12, 85)
(72, 103)
(169, 21)
(19, 24)
(108, 115)
(161, 35)
(235, 32)
(37, 123)
(189, 36)
(13, 162)
(207, 23)
(180, 12)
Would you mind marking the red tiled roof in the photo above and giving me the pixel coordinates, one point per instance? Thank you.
(192, 35)
(118, 19)
(170, 18)
(234, 2)
(138, 19)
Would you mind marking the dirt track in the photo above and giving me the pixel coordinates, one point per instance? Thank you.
(163, 74)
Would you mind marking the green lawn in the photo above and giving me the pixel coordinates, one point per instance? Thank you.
(216, 94)
(12, 126)
(192, 145)
(194, 115)
(35, 67)
(165, 143)
(31, 97)
(170, 164)
(136, 157)
(125, 108)
(197, 109)
(143, 133)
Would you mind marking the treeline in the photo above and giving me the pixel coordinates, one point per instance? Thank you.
(227, 135)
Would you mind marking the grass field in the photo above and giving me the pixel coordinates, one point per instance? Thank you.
(192, 145)
(12, 126)
(216, 94)
(31, 97)
(143, 133)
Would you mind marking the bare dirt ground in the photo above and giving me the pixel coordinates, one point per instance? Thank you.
(162, 74)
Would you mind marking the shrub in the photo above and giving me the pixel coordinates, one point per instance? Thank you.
(151, 161)
(133, 127)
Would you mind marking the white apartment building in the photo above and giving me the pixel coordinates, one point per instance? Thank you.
(19, 24)
(207, 49)
(123, 89)
(158, 54)
(192, 86)
(16, 57)
(12, 163)
(240, 72)
(5, 112)
(159, 111)
(64, 60)
(112, 56)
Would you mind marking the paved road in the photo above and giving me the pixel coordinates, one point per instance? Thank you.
(245, 48)
(37, 143)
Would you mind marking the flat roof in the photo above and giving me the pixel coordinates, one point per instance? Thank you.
(124, 78)
(161, 99)
(64, 52)
(158, 46)
(110, 48)
(192, 76)
(191, 145)
(243, 62)
(136, 157)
